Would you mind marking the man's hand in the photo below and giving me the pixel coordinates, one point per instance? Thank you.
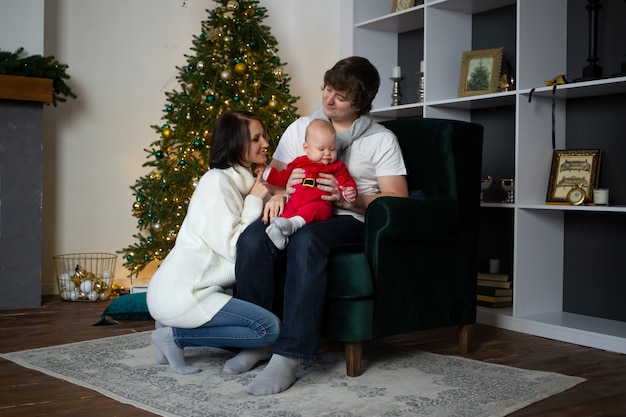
(296, 177)
(329, 184)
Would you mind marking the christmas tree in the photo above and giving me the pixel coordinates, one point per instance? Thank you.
(479, 78)
(235, 67)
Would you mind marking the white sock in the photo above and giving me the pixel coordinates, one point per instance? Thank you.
(278, 375)
(163, 339)
(246, 360)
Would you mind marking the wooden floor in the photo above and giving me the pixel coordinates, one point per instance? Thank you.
(29, 393)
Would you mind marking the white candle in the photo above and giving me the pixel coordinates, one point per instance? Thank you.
(601, 196)
(396, 72)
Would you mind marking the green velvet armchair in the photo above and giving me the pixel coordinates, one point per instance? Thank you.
(417, 269)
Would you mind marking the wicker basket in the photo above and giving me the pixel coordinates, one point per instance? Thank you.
(85, 276)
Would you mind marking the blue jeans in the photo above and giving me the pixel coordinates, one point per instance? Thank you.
(259, 267)
(239, 324)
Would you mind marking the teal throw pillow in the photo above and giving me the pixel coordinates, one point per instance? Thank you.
(126, 307)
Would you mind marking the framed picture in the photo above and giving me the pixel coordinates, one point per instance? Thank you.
(570, 169)
(398, 5)
(480, 72)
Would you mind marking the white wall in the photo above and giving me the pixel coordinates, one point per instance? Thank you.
(122, 57)
(21, 25)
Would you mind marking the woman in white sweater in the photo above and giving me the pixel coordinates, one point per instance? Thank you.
(186, 296)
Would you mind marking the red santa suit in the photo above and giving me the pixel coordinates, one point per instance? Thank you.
(307, 201)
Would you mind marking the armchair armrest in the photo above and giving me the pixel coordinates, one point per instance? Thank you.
(401, 222)
(412, 219)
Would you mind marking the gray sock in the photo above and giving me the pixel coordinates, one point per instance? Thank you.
(276, 235)
(289, 226)
(278, 375)
(164, 341)
(160, 357)
(246, 360)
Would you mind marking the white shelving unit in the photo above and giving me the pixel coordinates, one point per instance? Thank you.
(541, 52)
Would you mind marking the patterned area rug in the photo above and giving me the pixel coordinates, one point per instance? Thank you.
(398, 382)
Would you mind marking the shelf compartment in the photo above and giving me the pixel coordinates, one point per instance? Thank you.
(400, 22)
(470, 6)
(600, 87)
(396, 112)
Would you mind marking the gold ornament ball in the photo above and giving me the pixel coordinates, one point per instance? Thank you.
(273, 104)
(241, 68)
(256, 84)
(166, 132)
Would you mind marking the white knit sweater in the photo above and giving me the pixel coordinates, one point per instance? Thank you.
(188, 288)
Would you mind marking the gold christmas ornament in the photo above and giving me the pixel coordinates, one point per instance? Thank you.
(273, 104)
(166, 132)
(241, 68)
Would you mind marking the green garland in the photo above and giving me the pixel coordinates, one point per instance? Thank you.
(40, 67)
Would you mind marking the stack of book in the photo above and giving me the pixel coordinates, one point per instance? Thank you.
(494, 290)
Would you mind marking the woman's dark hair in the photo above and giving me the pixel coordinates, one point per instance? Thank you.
(231, 139)
(358, 77)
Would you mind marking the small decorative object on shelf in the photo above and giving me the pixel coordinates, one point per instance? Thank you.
(480, 72)
(484, 186)
(420, 83)
(571, 168)
(396, 94)
(558, 80)
(593, 70)
(506, 81)
(576, 196)
(508, 185)
(601, 196)
(398, 5)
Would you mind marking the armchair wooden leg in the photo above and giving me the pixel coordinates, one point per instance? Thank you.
(465, 336)
(353, 358)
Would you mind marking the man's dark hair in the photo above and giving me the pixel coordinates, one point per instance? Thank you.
(357, 77)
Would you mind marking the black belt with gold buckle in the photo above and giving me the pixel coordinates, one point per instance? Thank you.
(309, 182)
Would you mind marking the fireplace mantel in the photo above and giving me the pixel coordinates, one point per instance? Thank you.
(13, 87)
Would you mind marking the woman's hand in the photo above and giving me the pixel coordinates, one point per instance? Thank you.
(274, 208)
(259, 189)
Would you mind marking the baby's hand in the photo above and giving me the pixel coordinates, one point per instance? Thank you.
(348, 193)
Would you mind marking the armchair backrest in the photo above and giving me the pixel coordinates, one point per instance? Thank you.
(433, 149)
